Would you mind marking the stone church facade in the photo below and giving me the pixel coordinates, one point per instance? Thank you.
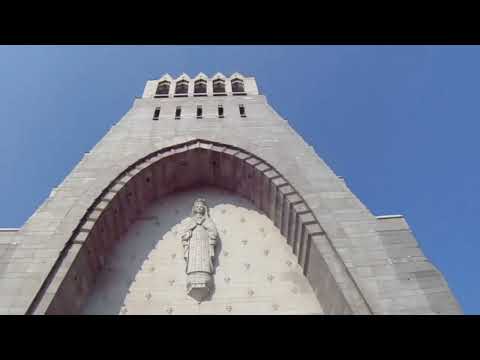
(203, 200)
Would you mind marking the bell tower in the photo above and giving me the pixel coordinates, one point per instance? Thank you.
(280, 233)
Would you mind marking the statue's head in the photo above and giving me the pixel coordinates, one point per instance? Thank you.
(200, 207)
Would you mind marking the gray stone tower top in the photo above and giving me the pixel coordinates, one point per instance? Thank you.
(201, 85)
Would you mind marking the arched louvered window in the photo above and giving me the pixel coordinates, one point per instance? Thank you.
(218, 86)
(200, 87)
(181, 87)
(163, 89)
(237, 86)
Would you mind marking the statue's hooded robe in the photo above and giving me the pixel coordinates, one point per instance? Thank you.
(200, 245)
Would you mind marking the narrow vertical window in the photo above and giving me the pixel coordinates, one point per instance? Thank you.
(156, 113)
(199, 112)
(178, 113)
(242, 110)
(220, 111)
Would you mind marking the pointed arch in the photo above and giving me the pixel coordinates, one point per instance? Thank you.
(219, 75)
(183, 77)
(172, 169)
(201, 76)
(237, 75)
(166, 77)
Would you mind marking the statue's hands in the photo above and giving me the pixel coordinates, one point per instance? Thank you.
(186, 235)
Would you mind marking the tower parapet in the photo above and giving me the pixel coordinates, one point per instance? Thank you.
(200, 85)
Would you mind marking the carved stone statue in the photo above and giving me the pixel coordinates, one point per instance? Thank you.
(199, 237)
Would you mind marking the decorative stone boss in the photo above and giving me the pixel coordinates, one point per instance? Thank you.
(199, 237)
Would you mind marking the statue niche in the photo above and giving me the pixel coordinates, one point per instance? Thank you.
(199, 236)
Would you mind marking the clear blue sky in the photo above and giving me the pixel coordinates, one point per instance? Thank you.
(400, 123)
